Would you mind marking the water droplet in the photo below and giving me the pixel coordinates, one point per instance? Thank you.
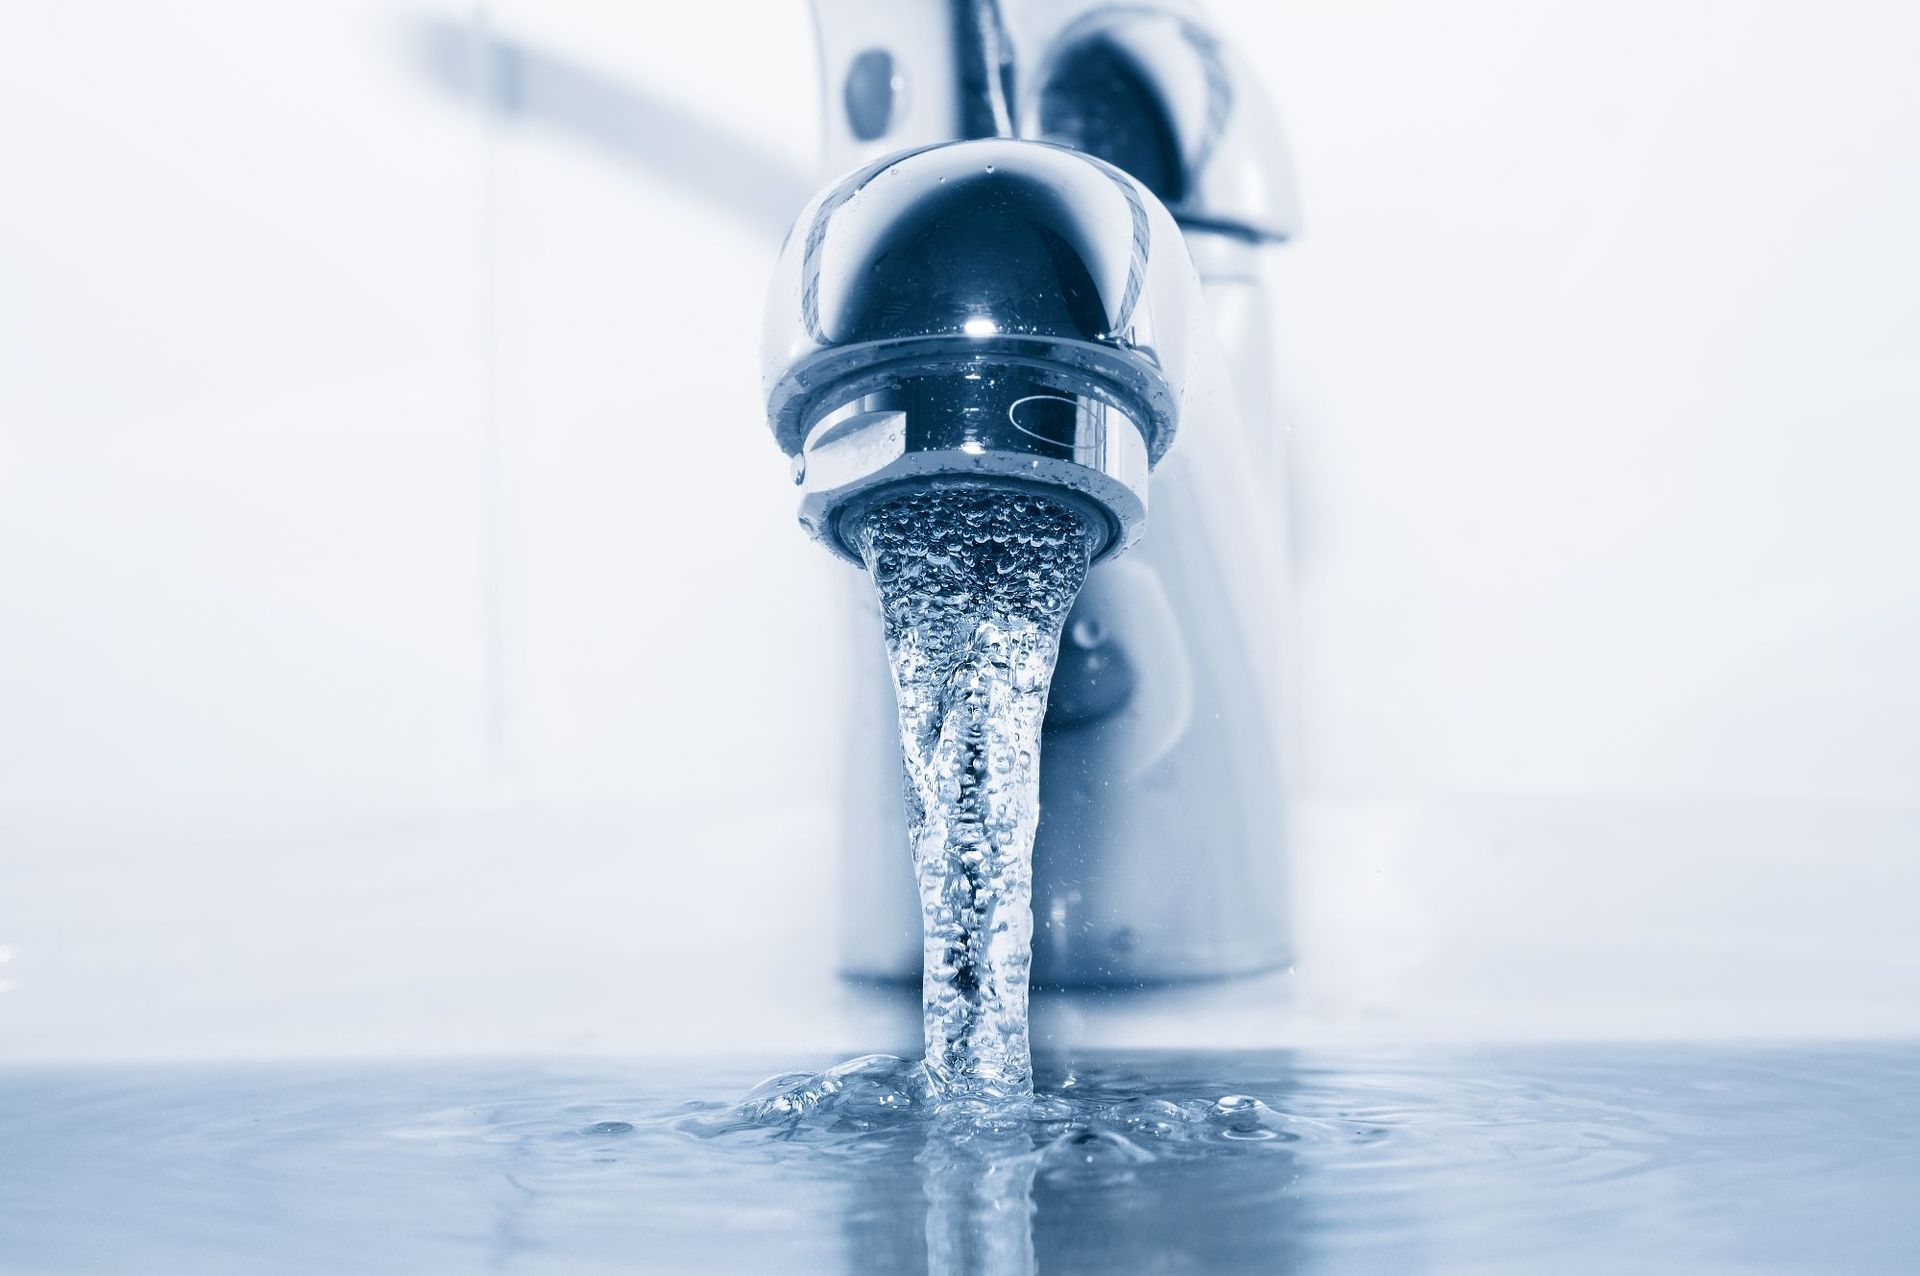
(1241, 1117)
(609, 1128)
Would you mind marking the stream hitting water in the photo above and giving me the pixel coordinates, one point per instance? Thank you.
(974, 586)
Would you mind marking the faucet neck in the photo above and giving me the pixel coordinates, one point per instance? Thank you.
(899, 74)
(1146, 87)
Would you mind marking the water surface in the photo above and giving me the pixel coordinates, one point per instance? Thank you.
(1591, 1159)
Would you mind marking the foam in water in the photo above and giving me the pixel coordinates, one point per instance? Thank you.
(974, 585)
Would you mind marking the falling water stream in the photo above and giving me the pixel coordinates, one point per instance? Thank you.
(974, 585)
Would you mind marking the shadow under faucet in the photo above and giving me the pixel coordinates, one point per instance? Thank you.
(523, 84)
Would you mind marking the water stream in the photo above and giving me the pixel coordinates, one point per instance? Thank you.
(974, 586)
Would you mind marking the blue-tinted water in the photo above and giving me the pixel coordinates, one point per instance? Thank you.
(1591, 1159)
(974, 584)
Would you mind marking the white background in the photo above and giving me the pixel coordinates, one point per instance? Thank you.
(406, 647)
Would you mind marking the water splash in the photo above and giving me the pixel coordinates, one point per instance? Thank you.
(1097, 1122)
(974, 584)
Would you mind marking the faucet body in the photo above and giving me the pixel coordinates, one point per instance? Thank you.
(1041, 267)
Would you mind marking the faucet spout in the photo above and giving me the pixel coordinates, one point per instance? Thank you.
(992, 311)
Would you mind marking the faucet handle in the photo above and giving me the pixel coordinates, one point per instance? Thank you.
(1153, 91)
(1147, 87)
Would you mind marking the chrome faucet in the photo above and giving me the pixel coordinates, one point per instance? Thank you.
(1041, 267)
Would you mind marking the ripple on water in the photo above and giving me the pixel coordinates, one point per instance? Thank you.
(870, 1103)
(1644, 1159)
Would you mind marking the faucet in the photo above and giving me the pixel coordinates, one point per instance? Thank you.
(1039, 266)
